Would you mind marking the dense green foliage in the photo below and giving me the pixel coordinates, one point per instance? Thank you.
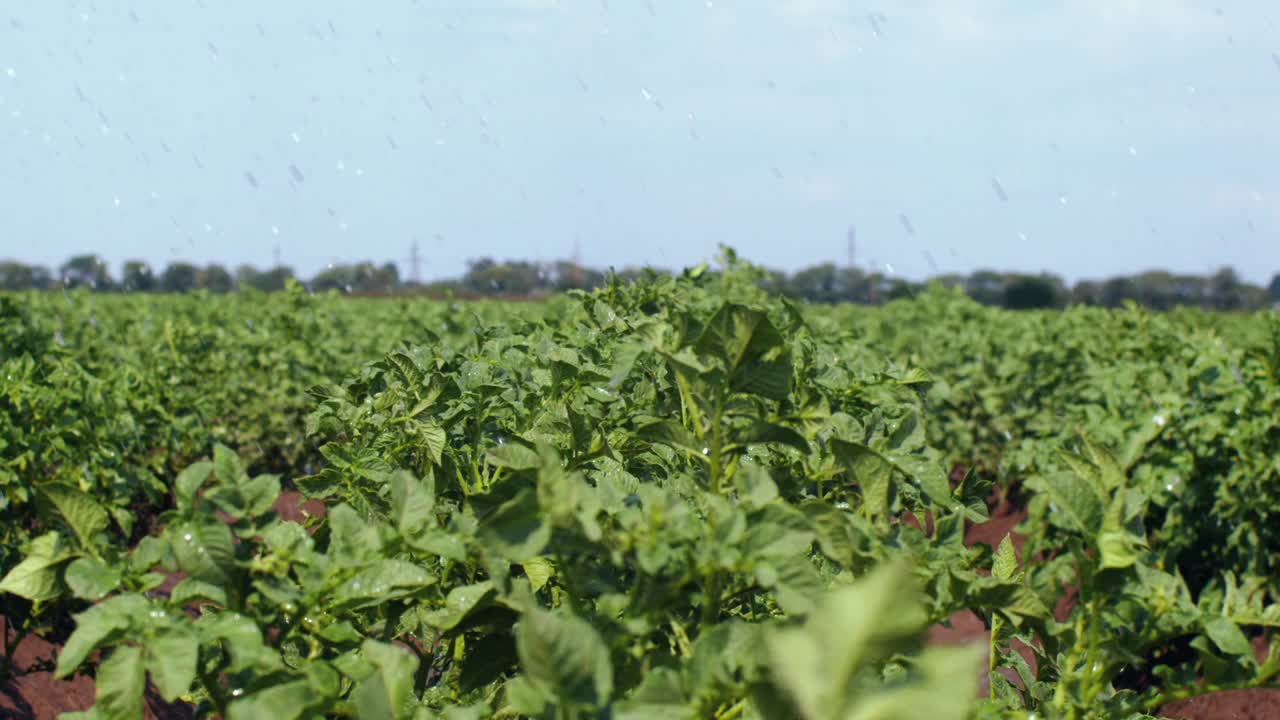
(679, 497)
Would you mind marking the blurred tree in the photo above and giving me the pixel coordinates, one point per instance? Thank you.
(1027, 292)
(19, 276)
(1156, 289)
(818, 283)
(271, 280)
(1118, 289)
(179, 277)
(215, 278)
(1226, 290)
(511, 277)
(86, 271)
(136, 276)
(1273, 290)
(567, 275)
(986, 287)
(362, 277)
(1086, 292)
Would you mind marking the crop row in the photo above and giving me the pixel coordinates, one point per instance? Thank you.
(672, 498)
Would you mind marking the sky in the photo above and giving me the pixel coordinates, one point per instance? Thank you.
(1082, 137)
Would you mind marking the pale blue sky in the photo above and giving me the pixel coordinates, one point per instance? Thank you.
(1123, 134)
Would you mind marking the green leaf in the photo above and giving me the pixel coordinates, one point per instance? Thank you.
(189, 589)
(188, 483)
(286, 701)
(204, 550)
(539, 570)
(80, 511)
(434, 438)
(241, 639)
(1005, 563)
(754, 352)
(149, 552)
(872, 471)
(764, 432)
(1075, 505)
(565, 655)
(671, 433)
(121, 680)
(943, 689)
(37, 576)
(91, 579)
(260, 494)
(517, 529)
(412, 503)
(352, 539)
(513, 456)
(226, 465)
(388, 692)
(755, 485)
(460, 603)
(382, 582)
(95, 625)
(1227, 636)
(171, 660)
(851, 628)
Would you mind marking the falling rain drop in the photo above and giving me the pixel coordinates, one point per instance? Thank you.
(906, 224)
(1000, 193)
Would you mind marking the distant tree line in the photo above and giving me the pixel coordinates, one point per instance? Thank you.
(822, 283)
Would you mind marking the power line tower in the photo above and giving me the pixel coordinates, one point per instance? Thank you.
(415, 264)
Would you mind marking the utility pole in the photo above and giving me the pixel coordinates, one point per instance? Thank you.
(415, 264)
(853, 246)
(275, 256)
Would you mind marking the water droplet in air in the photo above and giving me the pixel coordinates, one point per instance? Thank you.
(999, 188)
(187, 537)
(706, 451)
(1158, 420)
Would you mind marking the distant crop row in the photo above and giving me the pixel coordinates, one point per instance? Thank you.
(679, 497)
